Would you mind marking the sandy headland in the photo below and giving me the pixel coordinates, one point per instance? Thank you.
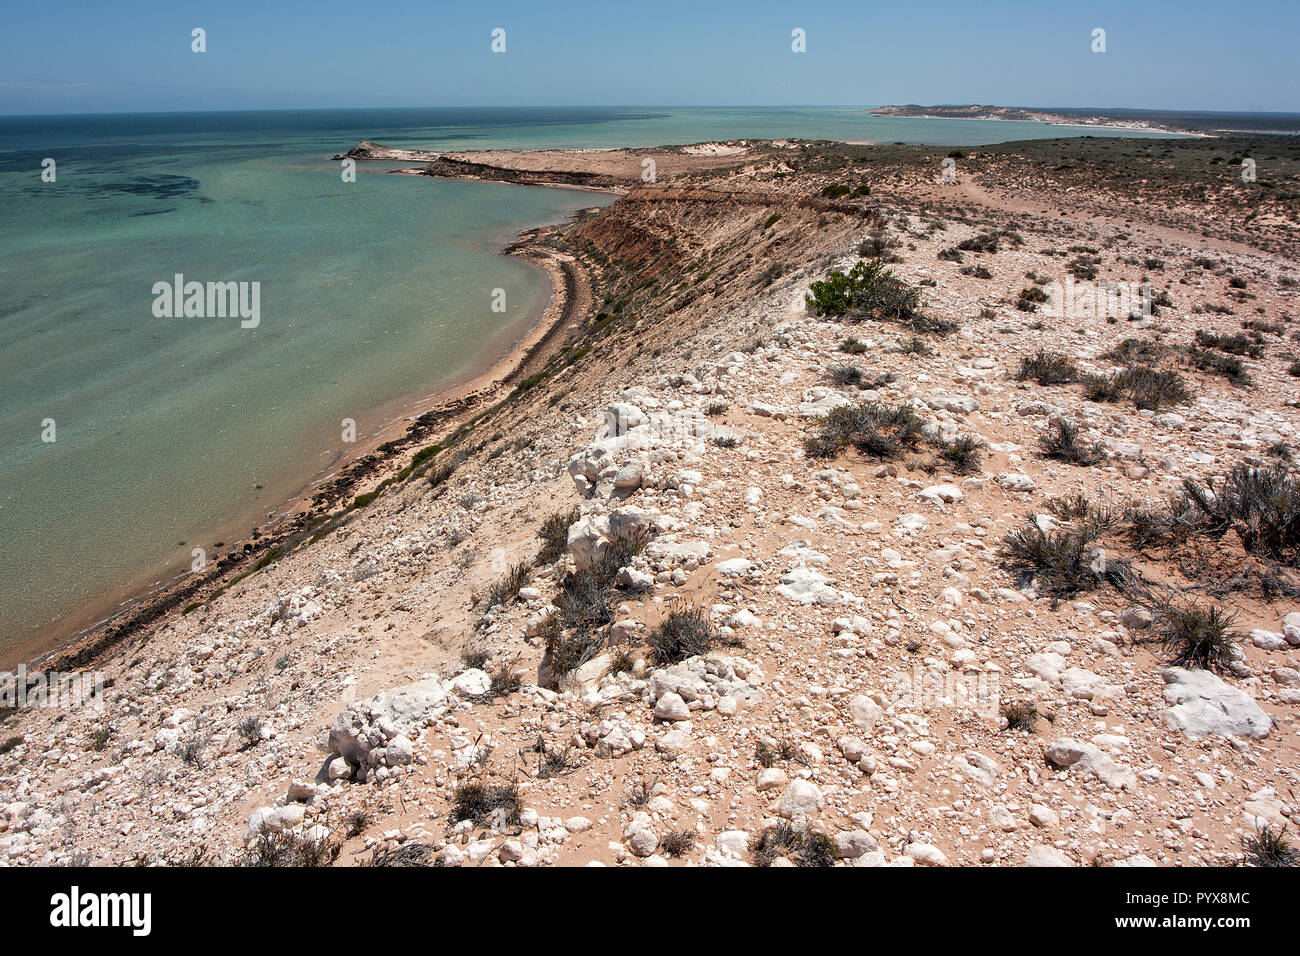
(1023, 115)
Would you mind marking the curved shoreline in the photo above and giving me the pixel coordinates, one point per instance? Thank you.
(378, 458)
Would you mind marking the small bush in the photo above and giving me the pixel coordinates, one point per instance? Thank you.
(554, 533)
(929, 325)
(551, 761)
(1047, 368)
(844, 375)
(1268, 847)
(250, 731)
(640, 793)
(1102, 388)
(1216, 363)
(584, 601)
(801, 847)
(1021, 715)
(1133, 351)
(288, 848)
(1071, 507)
(964, 454)
(1237, 344)
(483, 805)
(439, 475)
(878, 246)
(1263, 325)
(356, 822)
(505, 590)
(678, 842)
(1083, 268)
(984, 242)
(569, 650)
(1062, 443)
(1145, 386)
(620, 549)
(685, 632)
(1064, 562)
(1030, 298)
(504, 683)
(1261, 505)
(623, 662)
(767, 754)
(576, 633)
(868, 290)
(193, 749)
(1197, 636)
(877, 430)
(475, 655)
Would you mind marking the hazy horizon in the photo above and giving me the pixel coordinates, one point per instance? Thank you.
(656, 106)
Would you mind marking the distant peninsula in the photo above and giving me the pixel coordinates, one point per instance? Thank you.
(1065, 117)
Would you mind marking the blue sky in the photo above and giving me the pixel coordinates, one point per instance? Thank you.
(125, 55)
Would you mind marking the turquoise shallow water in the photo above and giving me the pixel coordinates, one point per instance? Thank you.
(170, 431)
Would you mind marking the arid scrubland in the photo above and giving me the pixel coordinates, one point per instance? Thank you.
(774, 558)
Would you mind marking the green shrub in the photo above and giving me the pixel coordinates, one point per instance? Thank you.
(868, 290)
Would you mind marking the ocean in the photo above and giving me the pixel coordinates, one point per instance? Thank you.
(133, 436)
